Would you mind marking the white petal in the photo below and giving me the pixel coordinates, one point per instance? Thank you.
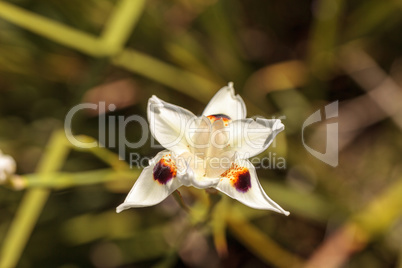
(241, 183)
(250, 137)
(218, 139)
(227, 103)
(206, 138)
(168, 124)
(7, 166)
(219, 164)
(148, 190)
(199, 134)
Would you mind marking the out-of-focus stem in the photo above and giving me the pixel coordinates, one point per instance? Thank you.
(61, 180)
(181, 80)
(259, 243)
(218, 223)
(116, 32)
(32, 203)
(102, 153)
(179, 199)
(120, 25)
(357, 232)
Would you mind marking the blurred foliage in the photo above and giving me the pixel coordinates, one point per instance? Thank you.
(286, 58)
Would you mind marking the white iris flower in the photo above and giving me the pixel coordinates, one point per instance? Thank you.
(209, 151)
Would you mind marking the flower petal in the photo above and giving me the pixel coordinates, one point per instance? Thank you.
(168, 124)
(156, 182)
(199, 133)
(219, 164)
(225, 102)
(241, 183)
(250, 137)
(7, 166)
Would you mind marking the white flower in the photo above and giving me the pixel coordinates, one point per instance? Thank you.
(209, 151)
(7, 167)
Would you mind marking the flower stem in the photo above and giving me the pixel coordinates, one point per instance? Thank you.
(62, 180)
(32, 203)
(179, 199)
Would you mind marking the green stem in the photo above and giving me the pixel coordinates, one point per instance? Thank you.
(259, 243)
(102, 153)
(116, 32)
(181, 80)
(218, 224)
(119, 27)
(61, 180)
(51, 29)
(32, 203)
(179, 199)
(356, 233)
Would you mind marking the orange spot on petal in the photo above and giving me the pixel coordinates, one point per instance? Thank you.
(239, 177)
(164, 170)
(215, 117)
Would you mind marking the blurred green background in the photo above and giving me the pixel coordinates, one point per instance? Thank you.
(286, 58)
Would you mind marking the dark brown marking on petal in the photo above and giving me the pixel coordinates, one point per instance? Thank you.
(239, 177)
(164, 170)
(243, 182)
(219, 116)
(215, 117)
